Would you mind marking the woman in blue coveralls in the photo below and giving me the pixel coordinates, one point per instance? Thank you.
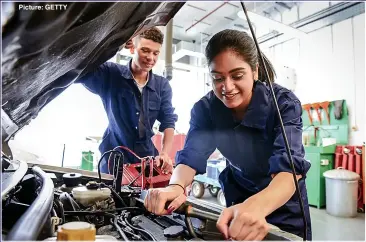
(239, 119)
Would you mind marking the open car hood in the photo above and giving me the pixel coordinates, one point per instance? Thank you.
(43, 52)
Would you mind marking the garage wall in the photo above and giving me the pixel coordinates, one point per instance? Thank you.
(330, 66)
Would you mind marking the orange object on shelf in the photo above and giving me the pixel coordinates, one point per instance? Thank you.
(324, 106)
(316, 107)
(307, 107)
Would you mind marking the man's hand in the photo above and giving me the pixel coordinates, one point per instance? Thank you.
(244, 221)
(165, 162)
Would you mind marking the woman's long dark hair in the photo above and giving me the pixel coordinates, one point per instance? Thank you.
(243, 45)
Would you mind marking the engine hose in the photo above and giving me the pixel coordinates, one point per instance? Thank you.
(100, 161)
(115, 194)
(125, 227)
(118, 197)
(190, 227)
(60, 207)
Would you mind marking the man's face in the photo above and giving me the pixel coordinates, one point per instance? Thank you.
(146, 53)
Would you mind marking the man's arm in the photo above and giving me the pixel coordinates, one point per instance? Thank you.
(168, 139)
(167, 119)
(95, 81)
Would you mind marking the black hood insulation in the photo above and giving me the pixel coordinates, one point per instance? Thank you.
(43, 52)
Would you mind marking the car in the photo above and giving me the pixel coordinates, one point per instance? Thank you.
(44, 52)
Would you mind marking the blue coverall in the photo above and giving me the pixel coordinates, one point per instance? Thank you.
(131, 113)
(253, 147)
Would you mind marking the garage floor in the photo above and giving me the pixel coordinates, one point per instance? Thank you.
(327, 227)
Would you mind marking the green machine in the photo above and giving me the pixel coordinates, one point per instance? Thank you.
(323, 130)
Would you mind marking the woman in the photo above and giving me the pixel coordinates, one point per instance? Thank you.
(239, 118)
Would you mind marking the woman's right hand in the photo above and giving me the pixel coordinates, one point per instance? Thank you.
(156, 199)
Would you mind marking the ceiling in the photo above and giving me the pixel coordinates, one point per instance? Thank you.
(197, 21)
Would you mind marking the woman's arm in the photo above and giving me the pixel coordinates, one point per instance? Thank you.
(278, 192)
(199, 145)
(182, 175)
(246, 221)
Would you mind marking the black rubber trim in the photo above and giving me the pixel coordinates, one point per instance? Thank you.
(31, 223)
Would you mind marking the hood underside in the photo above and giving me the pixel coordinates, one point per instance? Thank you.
(44, 52)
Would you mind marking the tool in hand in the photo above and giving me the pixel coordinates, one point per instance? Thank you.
(307, 107)
(316, 106)
(189, 211)
(324, 106)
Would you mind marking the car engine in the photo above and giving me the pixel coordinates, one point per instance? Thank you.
(40, 202)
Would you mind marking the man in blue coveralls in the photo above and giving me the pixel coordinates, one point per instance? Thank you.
(134, 98)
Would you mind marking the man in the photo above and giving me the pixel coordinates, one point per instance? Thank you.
(134, 98)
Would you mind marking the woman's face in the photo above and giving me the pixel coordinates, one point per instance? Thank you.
(232, 80)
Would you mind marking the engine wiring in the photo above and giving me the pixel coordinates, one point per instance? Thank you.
(100, 161)
(142, 159)
(125, 216)
(120, 231)
(120, 220)
(114, 194)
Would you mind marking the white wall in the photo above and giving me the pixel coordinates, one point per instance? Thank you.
(188, 88)
(330, 66)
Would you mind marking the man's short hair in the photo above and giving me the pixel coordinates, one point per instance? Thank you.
(153, 34)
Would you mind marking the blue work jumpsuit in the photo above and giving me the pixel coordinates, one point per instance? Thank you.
(131, 113)
(253, 147)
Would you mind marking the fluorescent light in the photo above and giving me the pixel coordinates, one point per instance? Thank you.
(260, 20)
(183, 52)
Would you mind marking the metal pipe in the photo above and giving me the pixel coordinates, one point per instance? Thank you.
(168, 50)
(200, 20)
(197, 213)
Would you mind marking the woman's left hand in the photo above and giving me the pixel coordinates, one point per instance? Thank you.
(244, 221)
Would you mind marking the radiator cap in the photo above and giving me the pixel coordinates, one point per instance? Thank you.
(81, 231)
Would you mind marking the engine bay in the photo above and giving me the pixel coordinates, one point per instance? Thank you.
(40, 201)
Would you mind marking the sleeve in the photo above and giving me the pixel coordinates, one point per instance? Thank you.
(279, 162)
(95, 81)
(167, 117)
(199, 143)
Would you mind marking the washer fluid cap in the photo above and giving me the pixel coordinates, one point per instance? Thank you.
(72, 179)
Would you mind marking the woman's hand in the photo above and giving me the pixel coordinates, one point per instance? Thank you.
(244, 221)
(157, 198)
